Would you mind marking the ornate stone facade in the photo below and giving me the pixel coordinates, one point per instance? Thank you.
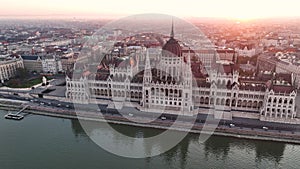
(172, 83)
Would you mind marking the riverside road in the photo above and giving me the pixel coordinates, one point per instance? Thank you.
(239, 123)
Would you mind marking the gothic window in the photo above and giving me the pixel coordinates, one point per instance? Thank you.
(223, 101)
(212, 101)
(275, 100)
(227, 103)
(260, 104)
(233, 102)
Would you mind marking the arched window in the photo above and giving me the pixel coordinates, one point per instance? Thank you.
(233, 102)
(270, 100)
(227, 102)
(223, 102)
(239, 103)
(212, 101)
(206, 101)
(201, 100)
(218, 101)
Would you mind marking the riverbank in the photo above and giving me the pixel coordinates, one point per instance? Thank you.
(157, 124)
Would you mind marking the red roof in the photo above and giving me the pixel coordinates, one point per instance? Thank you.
(172, 48)
(282, 89)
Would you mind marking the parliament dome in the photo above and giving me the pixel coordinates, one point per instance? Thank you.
(172, 47)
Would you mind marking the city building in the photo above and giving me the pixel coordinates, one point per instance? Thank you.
(280, 99)
(9, 67)
(32, 63)
(280, 62)
(246, 50)
(68, 62)
(228, 55)
(52, 65)
(176, 85)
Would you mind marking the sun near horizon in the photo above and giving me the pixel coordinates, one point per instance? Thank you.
(234, 9)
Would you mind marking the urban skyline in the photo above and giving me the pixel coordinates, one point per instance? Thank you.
(158, 84)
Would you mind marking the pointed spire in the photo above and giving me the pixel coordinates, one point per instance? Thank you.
(172, 31)
(148, 65)
(147, 72)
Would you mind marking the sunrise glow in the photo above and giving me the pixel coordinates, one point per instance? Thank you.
(243, 10)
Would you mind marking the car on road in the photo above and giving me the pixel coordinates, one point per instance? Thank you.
(130, 114)
(231, 125)
(67, 106)
(42, 103)
(265, 128)
(163, 118)
(58, 105)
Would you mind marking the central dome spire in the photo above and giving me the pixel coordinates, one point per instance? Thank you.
(172, 47)
(172, 30)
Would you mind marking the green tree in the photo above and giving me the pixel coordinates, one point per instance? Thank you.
(21, 73)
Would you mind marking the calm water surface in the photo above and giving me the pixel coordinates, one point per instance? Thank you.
(39, 142)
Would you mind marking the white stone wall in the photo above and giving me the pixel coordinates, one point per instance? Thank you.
(8, 68)
(279, 105)
(50, 65)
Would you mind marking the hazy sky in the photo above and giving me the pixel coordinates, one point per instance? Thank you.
(237, 9)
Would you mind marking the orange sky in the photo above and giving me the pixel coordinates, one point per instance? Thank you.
(236, 9)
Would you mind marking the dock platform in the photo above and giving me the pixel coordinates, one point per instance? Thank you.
(16, 116)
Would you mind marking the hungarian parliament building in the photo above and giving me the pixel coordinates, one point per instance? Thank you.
(173, 79)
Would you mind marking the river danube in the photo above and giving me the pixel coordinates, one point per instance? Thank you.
(39, 142)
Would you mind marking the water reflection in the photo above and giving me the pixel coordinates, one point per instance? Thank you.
(217, 148)
(272, 151)
(77, 129)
